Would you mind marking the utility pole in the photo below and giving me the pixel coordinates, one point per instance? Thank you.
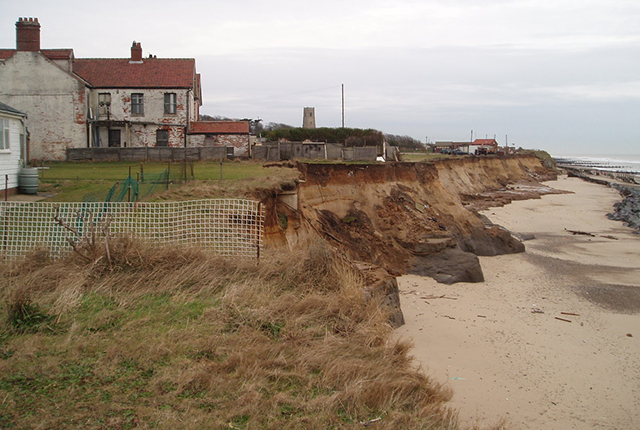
(471, 136)
(342, 105)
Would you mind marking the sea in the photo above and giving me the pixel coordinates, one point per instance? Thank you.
(629, 164)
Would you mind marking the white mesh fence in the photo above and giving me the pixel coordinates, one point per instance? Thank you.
(228, 227)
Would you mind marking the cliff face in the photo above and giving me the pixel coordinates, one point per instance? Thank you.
(406, 217)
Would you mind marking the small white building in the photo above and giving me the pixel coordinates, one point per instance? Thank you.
(12, 147)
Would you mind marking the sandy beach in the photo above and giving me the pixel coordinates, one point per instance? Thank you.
(551, 339)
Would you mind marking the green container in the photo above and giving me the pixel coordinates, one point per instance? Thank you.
(28, 180)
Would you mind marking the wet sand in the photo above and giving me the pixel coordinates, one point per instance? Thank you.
(551, 339)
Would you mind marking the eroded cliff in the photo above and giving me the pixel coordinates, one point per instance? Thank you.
(409, 217)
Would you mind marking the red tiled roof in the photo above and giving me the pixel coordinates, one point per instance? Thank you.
(6, 53)
(151, 73)
(485, 142)
(219, 127)
(52, 54)
(58, 54)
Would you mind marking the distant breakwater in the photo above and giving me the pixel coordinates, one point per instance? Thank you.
(627, 210)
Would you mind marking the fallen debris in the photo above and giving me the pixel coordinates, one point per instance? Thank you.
(562, 319)
(609, 237)
(482, 316)
(584, 233)
(536, 310)
(444, 296)
(570, 313)
(368, 423)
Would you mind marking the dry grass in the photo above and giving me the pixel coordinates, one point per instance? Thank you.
(175, 338)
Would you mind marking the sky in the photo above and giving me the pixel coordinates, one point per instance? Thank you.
(558, 75)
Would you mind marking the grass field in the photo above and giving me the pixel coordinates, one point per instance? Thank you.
(72, 181)
(422, 156)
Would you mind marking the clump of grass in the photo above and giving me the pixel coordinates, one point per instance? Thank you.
(168, 337)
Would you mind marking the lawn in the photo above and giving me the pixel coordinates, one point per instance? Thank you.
(74, 181)
(421, 156)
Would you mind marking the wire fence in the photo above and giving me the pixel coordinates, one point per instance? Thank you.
(145, 184)
(227, 227)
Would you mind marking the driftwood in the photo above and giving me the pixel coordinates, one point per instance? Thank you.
(584, 233)
(444, 296)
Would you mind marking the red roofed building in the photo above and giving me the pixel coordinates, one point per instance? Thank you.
(96, 102)
(483, 146)
(231, 134)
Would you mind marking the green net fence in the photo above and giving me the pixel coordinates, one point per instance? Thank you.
(143, 185)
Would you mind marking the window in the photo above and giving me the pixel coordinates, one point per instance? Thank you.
(4, 134)
(162, 137)
(169, 103)
(114, 138)
(137, 104)
(104, 103)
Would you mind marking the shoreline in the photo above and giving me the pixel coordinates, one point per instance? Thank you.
(510, 347)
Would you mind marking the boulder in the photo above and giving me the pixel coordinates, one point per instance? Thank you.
(448, 266)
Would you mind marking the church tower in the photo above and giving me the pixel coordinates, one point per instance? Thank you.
(309, 118)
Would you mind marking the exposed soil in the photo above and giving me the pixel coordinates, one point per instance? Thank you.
(410, 217)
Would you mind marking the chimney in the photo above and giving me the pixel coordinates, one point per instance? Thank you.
(136, 52)
(28, 34)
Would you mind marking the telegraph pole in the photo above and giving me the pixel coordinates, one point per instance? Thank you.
(342, 105)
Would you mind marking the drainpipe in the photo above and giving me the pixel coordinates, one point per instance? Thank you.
(24, 148)
(186, 127)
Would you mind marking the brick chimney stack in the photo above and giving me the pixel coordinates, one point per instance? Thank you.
(136, 52)
(28, 34)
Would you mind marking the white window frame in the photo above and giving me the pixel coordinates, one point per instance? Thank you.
(170, 103)
(5, 135)
(104, 103)
(137, 106)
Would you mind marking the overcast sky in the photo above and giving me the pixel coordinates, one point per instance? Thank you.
(560, 75)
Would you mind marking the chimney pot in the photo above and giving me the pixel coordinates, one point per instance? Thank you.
(28, 34)
(136, 52)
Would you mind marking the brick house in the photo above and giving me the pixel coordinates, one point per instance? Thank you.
(232, 134)
(96, 102)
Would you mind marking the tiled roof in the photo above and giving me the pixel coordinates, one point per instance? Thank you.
(6, 53)
(219, 127)
(151, 73)
(52, 54)
(58, 54)
(485, 142)
(7, 108)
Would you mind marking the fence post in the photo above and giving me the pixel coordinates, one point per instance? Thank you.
(168, 173)
(258, 220)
